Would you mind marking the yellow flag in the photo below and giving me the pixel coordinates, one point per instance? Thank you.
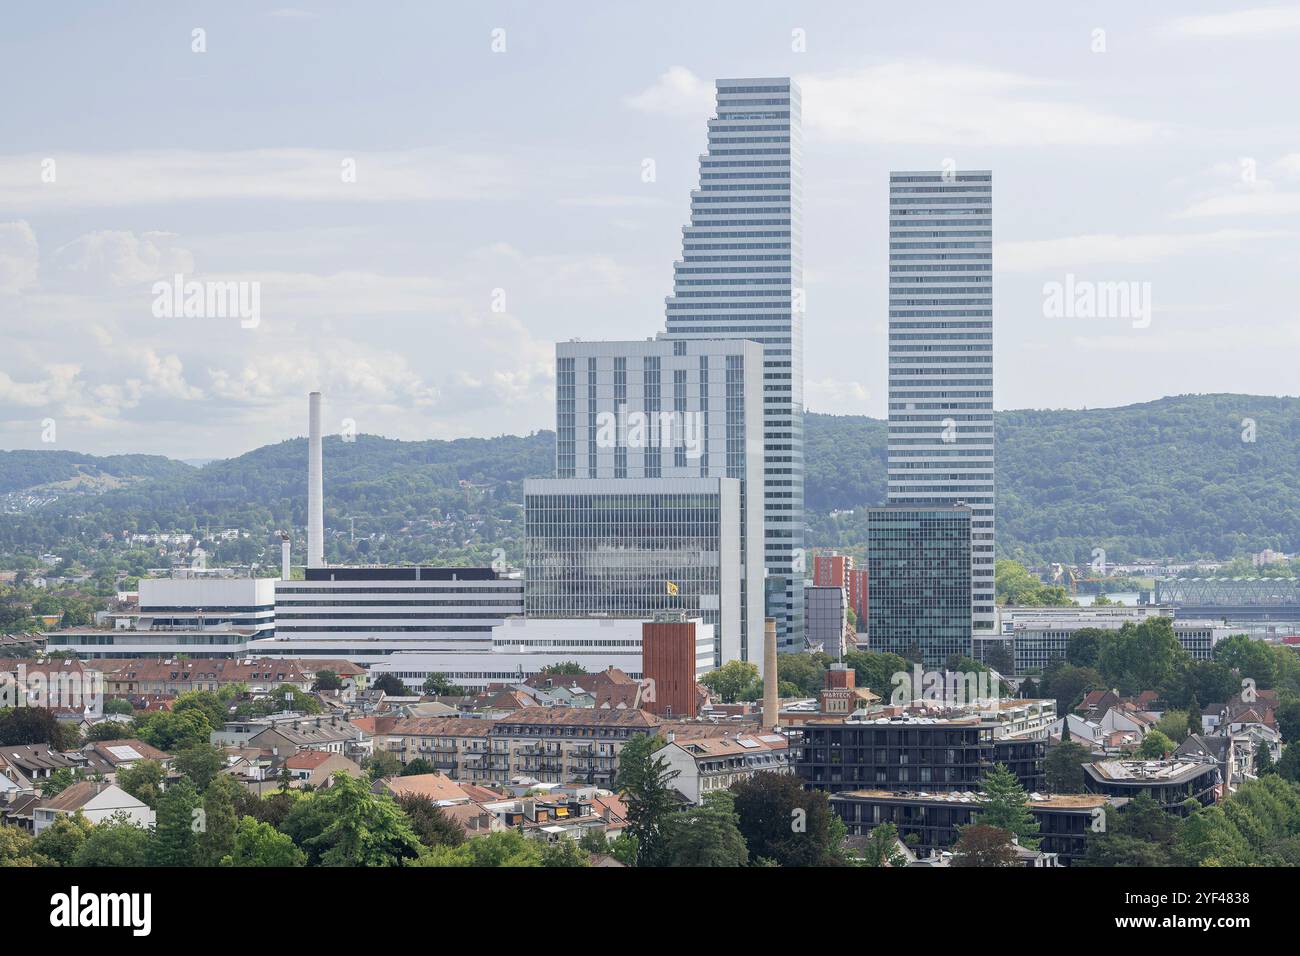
(672, 588)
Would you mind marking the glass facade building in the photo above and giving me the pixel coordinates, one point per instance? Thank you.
(741, 277)
(672, 409)
(919, 563)
(610, 547)
(941, 355)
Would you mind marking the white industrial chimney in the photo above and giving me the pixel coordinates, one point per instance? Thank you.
(315, 488)
(286, 562)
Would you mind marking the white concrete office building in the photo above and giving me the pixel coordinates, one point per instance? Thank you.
(363, 614)
(941, 356)
(664, 408)
(741, 277)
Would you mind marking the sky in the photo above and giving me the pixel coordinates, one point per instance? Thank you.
(426, 197)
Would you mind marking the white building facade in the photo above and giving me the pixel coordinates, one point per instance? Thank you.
(741, 277)
(941, 356)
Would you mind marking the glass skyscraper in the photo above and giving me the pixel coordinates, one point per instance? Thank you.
(919, 565)
(941, 357)
(741, 277)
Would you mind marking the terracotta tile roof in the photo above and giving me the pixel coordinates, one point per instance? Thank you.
(434, 786)
(308, 759)
(440, 727)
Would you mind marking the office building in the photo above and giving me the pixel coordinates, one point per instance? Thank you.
(635, 547)
(918, 560)
(825, 619)
(671, 409)
(909, 749)
(837, 571)
(941, 355)
(193, 614)
(363, 614)
(741, 277)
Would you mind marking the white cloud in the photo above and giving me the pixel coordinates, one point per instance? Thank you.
(19, 256)
(831, 396)
(1073, 252)
(1260, 20)
(116, 259)
(168, 176)
(679, 92)
(930, 103)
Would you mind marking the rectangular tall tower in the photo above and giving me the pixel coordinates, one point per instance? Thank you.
(671, 409)
(920, 565)
(941, 356)
(741, 277)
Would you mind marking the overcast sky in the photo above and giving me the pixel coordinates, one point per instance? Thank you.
(1164, 151)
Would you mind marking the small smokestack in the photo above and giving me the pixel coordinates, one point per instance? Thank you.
(286, 551)
(315, 487)
(771, 713)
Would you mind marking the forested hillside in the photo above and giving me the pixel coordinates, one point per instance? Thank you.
(1166, 479)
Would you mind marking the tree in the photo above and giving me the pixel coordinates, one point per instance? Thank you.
(1005, 806)
(116, 842)
(1000, 658)
(1084, 647)
(418, 766)
(348, 825)
(383, 764)
(57, 782)
(260, 844)
(1155, 745)
(733, 681)
(35, 725)
(391, 685)
(564, 668)
(1175, 724)
(1140, 833)
(1288, 720)
(564, 853)
(172, 731)
(60, 841)
(220, 820)
(1142, 656)
(805, 671)
(1067, 684)
(645, 782)
(201, 763)
(1064, 767)
(144, 781)
(1209, 838)
(1264, 765)
(174, 842)
(17, 849)
(1288, 768)
(705, 835)
(1249, 658)
(984, 845)
(504, 848)
(430, 823)
(440, 685)
(783, 822)
(881, 848)
(327, 680)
